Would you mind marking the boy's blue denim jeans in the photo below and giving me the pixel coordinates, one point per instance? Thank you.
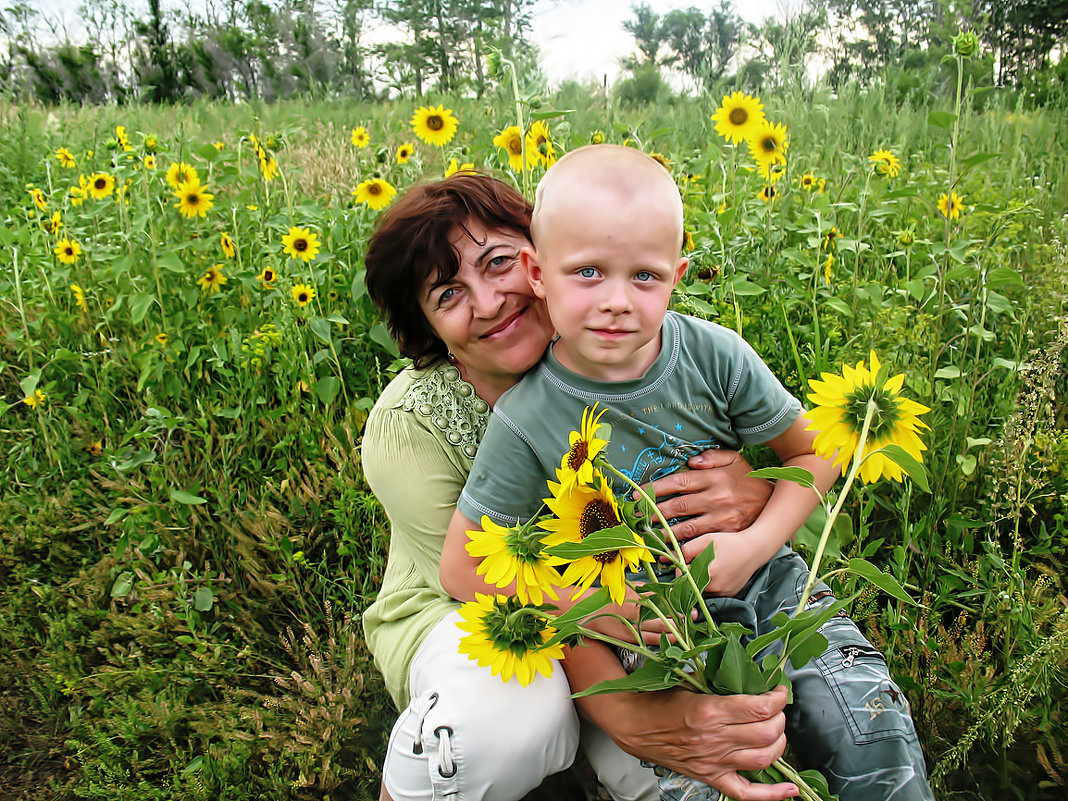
(848, 718)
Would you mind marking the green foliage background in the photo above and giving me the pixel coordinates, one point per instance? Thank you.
(186, 538)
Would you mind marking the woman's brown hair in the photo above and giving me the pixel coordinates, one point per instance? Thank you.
(411, 244)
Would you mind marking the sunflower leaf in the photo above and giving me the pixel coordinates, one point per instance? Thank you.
(181, 496)
(884, 581)
(652, 676)
(798, 475)
(941, 119)
(609, 539)
(917, 472)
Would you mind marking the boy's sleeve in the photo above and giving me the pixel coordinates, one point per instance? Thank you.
(759, 405)
(506, 483)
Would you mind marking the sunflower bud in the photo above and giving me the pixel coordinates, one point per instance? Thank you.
(965, 43)
(534, 101)
(111, 144)
(597, 138)
(151, 144)
(493, 63)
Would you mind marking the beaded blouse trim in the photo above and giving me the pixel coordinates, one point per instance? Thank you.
(451, 405)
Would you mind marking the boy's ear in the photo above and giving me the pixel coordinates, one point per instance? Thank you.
(680, 269)
(528, 257)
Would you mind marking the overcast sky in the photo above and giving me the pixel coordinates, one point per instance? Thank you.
(585, 38)
(581, 39)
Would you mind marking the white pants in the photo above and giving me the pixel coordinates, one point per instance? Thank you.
(468, 736)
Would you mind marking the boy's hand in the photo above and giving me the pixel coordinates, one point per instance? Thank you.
(715, 494)
(735, 563)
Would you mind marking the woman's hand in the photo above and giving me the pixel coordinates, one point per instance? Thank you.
(715, 494)
(708, 737)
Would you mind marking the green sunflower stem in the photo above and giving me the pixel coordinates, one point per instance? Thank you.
(804, 790)
(681, 564)
(854, 468)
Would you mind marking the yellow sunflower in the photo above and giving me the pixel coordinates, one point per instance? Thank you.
(213, 279)
(767, 193)
(950, 205)
(739, 117)
(162, 338)
(218, 145)
(360, 138)
(227, 245)
(151, 144)
(269, 168)
(267, 277)
(454, 168)
(80, 192)
(124, 140)
(434, 125)
(540, 148)
(510, 140)
(180, 173)
(405, 152)
(101, 185)
(830, 238)
(840, 406)
(303, 294)
(39, 199)
(508, 638)
(67, 251)
(150, 162)
(55, 223)
(375, 192)
(65, 158)
(95, 447)
(576, 466)
(808, 182)
(515, 554)
(769, 144)
(193, 201)
(583, 510)
(885, 163)
(35, 398)
(301, 243)
(827, 267)
(79, 297)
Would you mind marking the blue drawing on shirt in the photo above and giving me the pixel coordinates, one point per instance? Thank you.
(664, 458)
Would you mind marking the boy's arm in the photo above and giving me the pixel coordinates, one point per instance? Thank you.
(740, 554)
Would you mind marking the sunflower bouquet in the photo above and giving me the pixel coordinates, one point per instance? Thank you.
(588, 536)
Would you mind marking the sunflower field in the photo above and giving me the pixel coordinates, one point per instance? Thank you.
(188, 354)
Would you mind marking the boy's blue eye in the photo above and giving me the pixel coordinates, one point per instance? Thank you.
(588, 272)
(645, 275)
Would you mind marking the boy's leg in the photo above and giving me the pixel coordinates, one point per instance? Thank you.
(849, 719)
(468, 736)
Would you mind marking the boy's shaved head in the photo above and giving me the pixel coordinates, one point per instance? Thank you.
(603, 174)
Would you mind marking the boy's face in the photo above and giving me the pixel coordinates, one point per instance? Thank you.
(606, 269)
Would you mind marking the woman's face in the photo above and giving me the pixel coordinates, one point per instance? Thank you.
(487, 314)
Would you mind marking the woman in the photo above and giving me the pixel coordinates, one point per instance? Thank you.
(443, 266)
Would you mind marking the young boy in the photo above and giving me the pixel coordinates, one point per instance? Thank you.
(607, 232)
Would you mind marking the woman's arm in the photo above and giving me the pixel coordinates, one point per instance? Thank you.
(715, 494)
(707, 737)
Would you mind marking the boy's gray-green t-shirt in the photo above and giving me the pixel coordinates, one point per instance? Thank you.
(706, 389)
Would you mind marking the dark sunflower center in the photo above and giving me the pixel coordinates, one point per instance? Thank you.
(374, 189)
(769, 144)
(268, 276)
(434, 122)
(515, 146)
(578, 454)
(302, 297)
(100, 183)
(738, 116)
(192, 199)
(300, 245)
(596, 516)
(70, 251)
(770, 191)
(606, 558)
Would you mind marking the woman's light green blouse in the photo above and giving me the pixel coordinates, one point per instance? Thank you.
(418, 447)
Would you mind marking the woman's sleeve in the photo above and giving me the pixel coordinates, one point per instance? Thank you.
(417, 479)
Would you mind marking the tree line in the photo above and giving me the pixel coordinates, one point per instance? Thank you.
(271, 49)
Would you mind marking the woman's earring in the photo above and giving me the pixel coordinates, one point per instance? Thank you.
(450, 357)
